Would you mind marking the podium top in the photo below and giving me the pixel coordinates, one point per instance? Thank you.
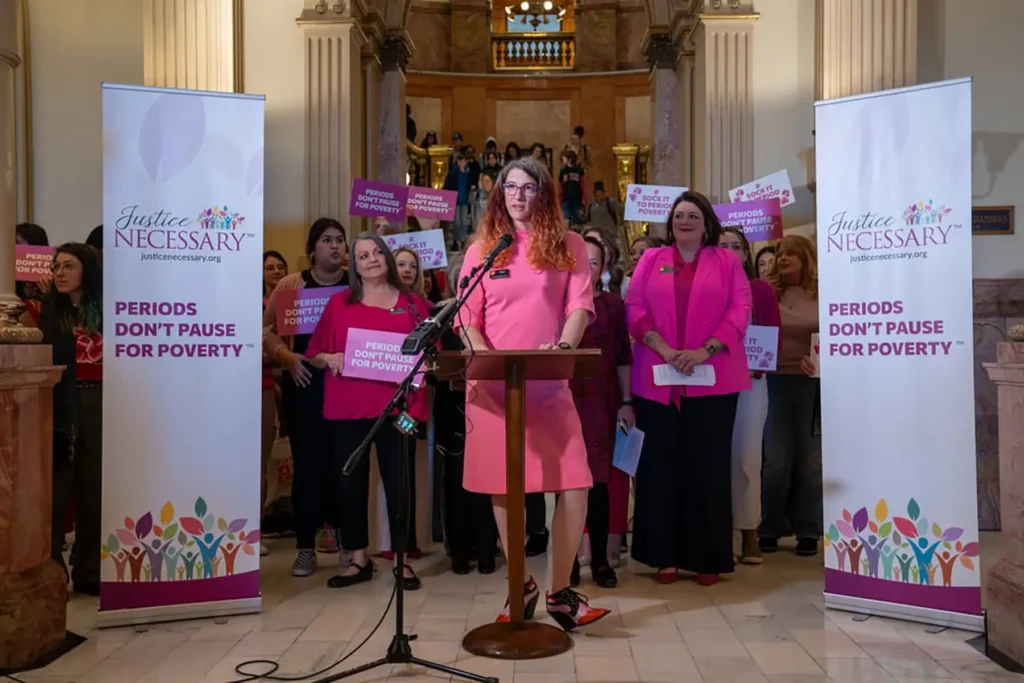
(536, 364)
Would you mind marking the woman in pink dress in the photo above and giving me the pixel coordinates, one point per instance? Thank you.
(537, 295)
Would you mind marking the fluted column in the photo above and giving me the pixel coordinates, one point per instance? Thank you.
(863, 46)
(723, 117)
(10, 60)
(395, 50)
(191, 44)
(667, 107)
(335, 106)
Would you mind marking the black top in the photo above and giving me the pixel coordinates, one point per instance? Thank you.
(301, 341)
(64, 391)
(449, 404)
(571, 179)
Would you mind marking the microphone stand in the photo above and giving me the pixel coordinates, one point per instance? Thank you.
(400, 649)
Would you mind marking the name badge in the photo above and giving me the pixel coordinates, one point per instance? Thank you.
(667, 269)
(396, 311)
(502, 274)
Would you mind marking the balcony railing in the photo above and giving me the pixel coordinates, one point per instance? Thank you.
(534, 51)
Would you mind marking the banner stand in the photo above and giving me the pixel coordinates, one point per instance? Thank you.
(182, 354)
(896, 354)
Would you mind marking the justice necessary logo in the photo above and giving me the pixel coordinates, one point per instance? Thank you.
(922, 225)
(213, 230)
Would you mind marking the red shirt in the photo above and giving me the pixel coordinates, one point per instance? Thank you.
(88, 356)
(352, 398)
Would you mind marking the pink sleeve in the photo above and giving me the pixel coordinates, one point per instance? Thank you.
(472, 313)
(322, 339)
(734, 325)
(638, 318)
(580, 293)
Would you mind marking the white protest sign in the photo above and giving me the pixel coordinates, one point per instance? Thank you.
(650, 203)
(775, 185)
(428, 244)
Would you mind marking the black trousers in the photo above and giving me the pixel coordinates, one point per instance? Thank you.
(309, 436)
(598, 520)
(60, 492)
(87, 474)
(468, 516)
(682, 515)
(536, 514)
(354, 492)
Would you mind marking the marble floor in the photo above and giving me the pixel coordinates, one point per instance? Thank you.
(763, 624)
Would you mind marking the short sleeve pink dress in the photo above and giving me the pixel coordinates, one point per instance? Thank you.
(517, 306)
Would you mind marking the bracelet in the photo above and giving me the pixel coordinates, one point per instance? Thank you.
(627, 402)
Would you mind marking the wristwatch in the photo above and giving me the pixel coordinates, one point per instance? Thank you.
(627, 402)
(711, 349)
(565, 346)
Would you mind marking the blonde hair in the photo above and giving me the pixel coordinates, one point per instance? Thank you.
(797, 245)
(418, 286)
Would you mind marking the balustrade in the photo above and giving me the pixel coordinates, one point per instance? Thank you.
(545, 51)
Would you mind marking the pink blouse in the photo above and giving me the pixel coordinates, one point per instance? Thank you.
(352, 398)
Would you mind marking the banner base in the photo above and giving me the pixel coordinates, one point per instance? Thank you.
(923, 615)
(186, 612)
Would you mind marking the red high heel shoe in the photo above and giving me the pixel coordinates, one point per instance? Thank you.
(570, 609)
(531, 594)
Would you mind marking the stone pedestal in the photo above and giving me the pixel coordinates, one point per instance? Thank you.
(1005, 579)
(33, 588)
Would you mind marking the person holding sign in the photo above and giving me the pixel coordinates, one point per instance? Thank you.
(751, 411)
(604, 405)
(792, 493)
(537, 295)
(377, 301)
(688, 305)
(302, 388)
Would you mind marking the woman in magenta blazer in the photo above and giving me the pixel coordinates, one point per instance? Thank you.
(688, 305)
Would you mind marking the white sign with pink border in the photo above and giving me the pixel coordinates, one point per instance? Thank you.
(775, 185)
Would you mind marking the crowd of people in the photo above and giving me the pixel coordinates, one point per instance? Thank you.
(725, 471)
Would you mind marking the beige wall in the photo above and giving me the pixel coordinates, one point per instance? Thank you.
(784, 97)
(986, 46)
(274, 67)
(76, 45)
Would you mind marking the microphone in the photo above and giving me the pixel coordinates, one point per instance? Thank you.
(428, 331)
(504, 242)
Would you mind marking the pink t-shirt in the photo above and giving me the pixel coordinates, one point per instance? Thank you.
(351, 398)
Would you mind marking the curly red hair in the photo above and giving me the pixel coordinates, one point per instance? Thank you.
(548, 248)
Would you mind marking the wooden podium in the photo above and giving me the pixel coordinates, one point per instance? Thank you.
(518, 639)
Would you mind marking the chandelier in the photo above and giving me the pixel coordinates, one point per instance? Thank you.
(536, 13)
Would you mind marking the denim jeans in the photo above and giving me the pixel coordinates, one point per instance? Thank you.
(573, 212)
(791, 493)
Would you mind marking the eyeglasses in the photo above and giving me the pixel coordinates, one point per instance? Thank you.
(529, 189)
(65, 267)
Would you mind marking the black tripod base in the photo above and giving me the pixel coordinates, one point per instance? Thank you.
(400, 652)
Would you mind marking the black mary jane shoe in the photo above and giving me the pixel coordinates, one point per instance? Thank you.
(604, 576)
(409, 583)
(364, 574)
(461, 565)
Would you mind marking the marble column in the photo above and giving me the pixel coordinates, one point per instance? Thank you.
(335, 143)
(723, 114)
(33, 588)
(667, 108)
(863, 47)
(190, 44)
(395, 51)
(1004, 600)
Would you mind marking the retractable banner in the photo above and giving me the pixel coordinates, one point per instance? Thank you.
(182, 330)
(897, 354)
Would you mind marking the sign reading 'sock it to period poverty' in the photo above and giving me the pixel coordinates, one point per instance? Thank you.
(760, 220)
(428, 245)
(650, 203)
(773, 186)
(299, 310)
(372, 199)
(427, 202)
(762, 345)
(32, 263)
(370, 354)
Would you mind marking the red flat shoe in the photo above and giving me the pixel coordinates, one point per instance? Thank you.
(708, 580)
(667, 576)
